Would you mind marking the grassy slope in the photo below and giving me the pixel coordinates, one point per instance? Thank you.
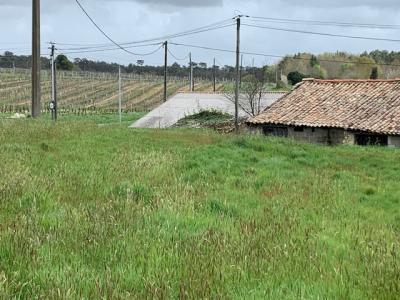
(90, 212)
(204, 119)
(101, 119)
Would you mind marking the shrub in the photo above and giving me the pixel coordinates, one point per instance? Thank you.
(295, 77)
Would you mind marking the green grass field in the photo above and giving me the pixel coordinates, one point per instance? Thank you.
(106, 212)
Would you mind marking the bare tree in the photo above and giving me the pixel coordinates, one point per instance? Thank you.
(252, 91)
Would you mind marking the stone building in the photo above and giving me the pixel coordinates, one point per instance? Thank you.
(362, 112)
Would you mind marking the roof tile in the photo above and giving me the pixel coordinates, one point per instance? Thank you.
(365, 105)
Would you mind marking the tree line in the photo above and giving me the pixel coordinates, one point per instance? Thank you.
(340, 65)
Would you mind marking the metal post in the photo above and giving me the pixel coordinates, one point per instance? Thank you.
(237, 74)
(53, 90)
(36, 93)
(120, 95)
(191, 72)
(214, 77)
(165, 70)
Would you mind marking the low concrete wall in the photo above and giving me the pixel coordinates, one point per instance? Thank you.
(321, 136)
(256, 130)
(394, 141)
(326, 136)
(312, 135)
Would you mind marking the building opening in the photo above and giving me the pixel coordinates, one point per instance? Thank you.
(371, 140)
(276, 131)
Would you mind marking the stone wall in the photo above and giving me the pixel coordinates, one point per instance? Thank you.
(326, 136)
(320, 135)
(394, 141)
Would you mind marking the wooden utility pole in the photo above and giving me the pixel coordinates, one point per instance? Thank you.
(214, 77)
(36, 66)
(165, 70)
(237, 74)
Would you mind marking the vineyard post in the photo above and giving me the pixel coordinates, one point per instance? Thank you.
(165, 70)
(53, 85)
(237, 74)
(120, 95)
(214, 79)
(191, 72)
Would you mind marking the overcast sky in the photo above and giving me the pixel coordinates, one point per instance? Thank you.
(131, 20)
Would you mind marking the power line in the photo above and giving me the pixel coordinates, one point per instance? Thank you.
(282, 56)
(177, 58)
(167, 37)
(14, 49)
(326, 23)
(99, 48)
(323, 34)
(107, 36)
(113, 49)
(213, 26)
(105, 50)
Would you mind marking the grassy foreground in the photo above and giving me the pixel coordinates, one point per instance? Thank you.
(89, 212)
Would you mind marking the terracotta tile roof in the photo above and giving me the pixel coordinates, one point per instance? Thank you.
(362, 105)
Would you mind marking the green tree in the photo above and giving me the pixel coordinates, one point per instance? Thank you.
(295, 77)
(63, 63)
(374, 73)
(314, 61)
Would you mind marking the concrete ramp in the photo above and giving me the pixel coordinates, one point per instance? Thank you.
(187, 104)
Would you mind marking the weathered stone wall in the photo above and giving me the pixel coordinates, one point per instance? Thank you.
(320, 135)
(349, 138)
(394, 141)
(254, 129)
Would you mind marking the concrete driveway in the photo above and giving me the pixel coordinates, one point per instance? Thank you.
(186, 104)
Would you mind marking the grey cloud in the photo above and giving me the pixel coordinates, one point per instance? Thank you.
(175, 3)
(182, 3)
(345, 3)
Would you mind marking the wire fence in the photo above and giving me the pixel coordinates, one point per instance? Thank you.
(91, 92)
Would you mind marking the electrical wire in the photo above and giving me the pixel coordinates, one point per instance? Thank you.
(107, 36)
(99, 48)
(113, 49)
(282, 56)
(213, 26)
(323, 34)
(325, 23)
(177, 58)
(167, 37)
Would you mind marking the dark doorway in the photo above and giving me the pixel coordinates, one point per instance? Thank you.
(371, 140)
(276, 131)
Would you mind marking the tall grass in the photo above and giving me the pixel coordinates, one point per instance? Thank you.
(89, 212)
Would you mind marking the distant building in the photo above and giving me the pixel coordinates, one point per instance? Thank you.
(363, 112)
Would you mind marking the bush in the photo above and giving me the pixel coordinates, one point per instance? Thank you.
(374, 73)
(295, 77)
